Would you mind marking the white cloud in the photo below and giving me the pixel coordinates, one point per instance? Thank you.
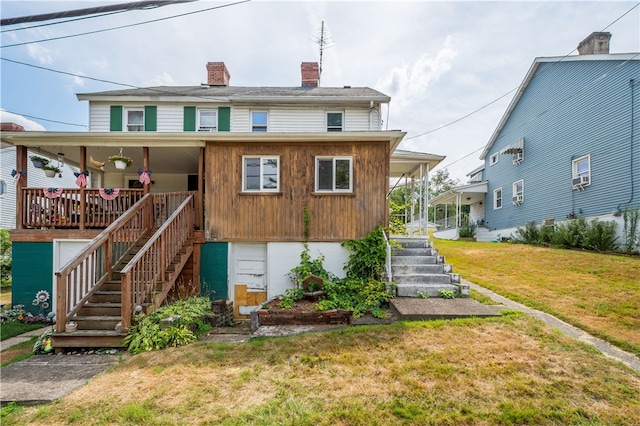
(29, 125)
(162, 79)
(40, 53)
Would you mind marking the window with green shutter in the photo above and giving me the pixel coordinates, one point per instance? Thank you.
(150, 118)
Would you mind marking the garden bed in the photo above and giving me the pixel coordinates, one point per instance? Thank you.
(304, 312)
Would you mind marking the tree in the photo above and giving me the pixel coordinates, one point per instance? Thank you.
(5, 258)
(440, 182)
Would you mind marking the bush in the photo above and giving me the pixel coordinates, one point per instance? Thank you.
(468, 231)
(631, 230)
(530, 234)
(601, 236)
(5, 259)
(571, 234)
(146, 334)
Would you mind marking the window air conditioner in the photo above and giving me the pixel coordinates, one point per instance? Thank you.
(517, 199)
(517, 158)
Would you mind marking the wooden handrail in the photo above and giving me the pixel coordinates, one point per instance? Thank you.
(150, 265)
(82, 275)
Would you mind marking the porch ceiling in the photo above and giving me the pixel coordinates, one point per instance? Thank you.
(407, 163)
(469, 194)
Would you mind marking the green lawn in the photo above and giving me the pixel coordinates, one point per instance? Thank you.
(599, 293)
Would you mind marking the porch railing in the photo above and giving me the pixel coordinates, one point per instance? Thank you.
(150, 266)
(74, 208)
(79, 278)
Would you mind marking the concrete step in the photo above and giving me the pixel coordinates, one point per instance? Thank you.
(432, 290)
(415, 252)
(403, 269)
(414, 260)
(413, 242)
(423, 279)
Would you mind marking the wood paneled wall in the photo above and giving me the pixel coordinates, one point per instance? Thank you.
(235, 216)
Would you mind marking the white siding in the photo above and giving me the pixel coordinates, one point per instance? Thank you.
(170, 118)
(296, 120)
(99, 118)
(356, 120)
(241, 120)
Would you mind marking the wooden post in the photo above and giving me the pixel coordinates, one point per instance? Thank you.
(126, 298)
(61, 304)
(21, 164)
(83, 199)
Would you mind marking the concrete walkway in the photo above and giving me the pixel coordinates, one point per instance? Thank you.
(4, 344)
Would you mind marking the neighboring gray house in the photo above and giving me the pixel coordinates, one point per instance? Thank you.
(566, 147)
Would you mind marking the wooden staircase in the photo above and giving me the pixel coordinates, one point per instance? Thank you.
(148, 268)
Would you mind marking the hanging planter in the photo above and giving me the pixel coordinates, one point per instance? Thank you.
(50, 171)
(120, 161)
(39, 162)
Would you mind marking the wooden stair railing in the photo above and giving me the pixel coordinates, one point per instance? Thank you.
(80, 278)
(150, 267)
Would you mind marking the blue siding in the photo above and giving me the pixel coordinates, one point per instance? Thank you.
(569, 109)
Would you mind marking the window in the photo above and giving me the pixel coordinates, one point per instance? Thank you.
(207, 120)
(493, 159)
(334, 174)
(3, 188)
(135, 120)
(260, 174)
(334, 121)
(518, 192)
(259, 121)
(581, 172)
(497, 198)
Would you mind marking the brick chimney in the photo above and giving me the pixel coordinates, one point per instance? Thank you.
(217, 74)
(11, 127)
(595, 44)
(310, 74)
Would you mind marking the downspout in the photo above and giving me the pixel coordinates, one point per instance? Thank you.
(618, 209)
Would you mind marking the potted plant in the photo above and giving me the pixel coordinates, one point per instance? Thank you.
(50, 170)
(121, 161)
(39, 162)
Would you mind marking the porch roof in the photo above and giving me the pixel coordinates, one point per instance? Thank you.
(407, 163)
(171, 152)
(469, 194)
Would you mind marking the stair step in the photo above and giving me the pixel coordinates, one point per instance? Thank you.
(423, 279)
(413, 242)
(101, 309)
(415, 252)
(89, 339)
(414, 260)
(403, 269)
(111, 286)
(97, 322)
(106, 296)
(415, 290)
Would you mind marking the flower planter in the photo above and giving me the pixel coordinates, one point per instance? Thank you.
(70, 327)
(121, 165)
(50, 173)
(37, 164)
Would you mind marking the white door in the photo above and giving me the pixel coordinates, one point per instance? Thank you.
(63, 252)
(249, 263)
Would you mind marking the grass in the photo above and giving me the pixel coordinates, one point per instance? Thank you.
(17, 353)
(598, 293)
(14, 328)
(499, 371)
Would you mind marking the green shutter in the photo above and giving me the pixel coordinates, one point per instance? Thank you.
(115, 119)
(32, 269)
(189, 123)
(150, 118)
(224, 119)
(213, 270)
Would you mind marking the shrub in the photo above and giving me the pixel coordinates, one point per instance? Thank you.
(631, 230)
(530, 234)
(601, 236)
(571, 233)
(468, 231)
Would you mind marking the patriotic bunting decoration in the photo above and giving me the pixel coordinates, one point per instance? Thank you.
(81, 180)
(144, 176)
(52, 192)
(109, 193)
(17, 174)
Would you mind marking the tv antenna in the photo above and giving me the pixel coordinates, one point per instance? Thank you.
(324, 42)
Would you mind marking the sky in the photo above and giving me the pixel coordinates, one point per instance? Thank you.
(451, 68)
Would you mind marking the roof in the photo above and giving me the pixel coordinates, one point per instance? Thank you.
(469, 194)
(407, 163)
(529, 76)
(235, 94)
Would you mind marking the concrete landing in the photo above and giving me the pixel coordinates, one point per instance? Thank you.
(415, 309)
(46, 378)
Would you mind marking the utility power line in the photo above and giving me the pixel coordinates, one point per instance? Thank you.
(91, 11)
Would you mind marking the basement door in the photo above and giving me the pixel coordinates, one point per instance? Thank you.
(249, 276)
(63, 252)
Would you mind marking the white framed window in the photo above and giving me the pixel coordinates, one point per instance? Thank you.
(518, 192)
(259, 120)
(334, 174)
(207, 120)
(260, 173)
(493, 159)
(581, 172)
(335, 120)
(497, 198)
(134, 119)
